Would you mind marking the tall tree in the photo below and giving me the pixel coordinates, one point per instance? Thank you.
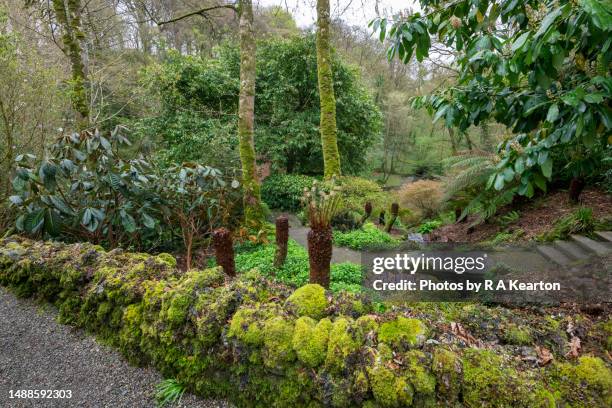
(329, 142)
(68, 15)
(253, 211)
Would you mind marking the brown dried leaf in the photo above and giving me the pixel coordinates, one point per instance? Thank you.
(458, 330)
(544, 355)
(574, 347)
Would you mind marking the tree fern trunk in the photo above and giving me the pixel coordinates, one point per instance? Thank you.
(329, 142)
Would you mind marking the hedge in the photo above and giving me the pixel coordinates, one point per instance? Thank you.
(259, 344)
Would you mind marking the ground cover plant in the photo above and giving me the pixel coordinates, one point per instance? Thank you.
(366, 237)
(280, 347)
(294, 272)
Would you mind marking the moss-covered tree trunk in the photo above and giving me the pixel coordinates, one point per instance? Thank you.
(319, 255)
(329, 141)
(253, 211)
(68, 14)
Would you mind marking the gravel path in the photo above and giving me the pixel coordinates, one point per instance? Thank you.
(38, 353)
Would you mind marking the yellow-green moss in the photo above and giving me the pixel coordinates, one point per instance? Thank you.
(344, 341)
(607, 329)
(517, 335)
(310, 340)
(488, 381)
(309, 300)
(447, 367)
(388, 389)
(367, 324)
(403, 333)
(247, 324)
(586, 384)
(167, 259)
(419, 375)
(278, 336)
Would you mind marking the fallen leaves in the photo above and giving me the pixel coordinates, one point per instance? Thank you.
(544, 355)
(574, 347)
(458, 330)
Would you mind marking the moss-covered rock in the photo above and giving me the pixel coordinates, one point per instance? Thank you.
(309, 300)
(344, 345)
(586, 384)
(388, 389)
(278, 347)
(517, 335)
(310, 340)
(447, 367)
(403, 333)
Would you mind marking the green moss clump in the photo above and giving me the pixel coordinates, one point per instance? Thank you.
(344, 342)
(367, 324)
(488, 381)
(309, 300)
(586, 384)
(517, 335)
(447, 368)
(167, 259)
(403, 333)
(388, 389)
(247, 324)
(278, 336)
(310, 340)
(421, 378)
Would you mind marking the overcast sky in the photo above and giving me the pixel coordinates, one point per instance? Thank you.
(354, 12)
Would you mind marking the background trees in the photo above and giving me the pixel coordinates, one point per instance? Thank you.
(540, 68)
(198, 105)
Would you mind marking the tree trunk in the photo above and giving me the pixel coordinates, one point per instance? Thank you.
(319, 255)
(575, 188)
(253, 211)
(282, 238)
(329, 142)
(68, 14)
(394, 214)
(224, 251)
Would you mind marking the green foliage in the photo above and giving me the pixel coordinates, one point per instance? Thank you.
(580, 221)
(294, 272)
(199, 100)
(368, 236)
(428, 226)
(85, 188)
(547, 79)
(168, 392)
(285, 191)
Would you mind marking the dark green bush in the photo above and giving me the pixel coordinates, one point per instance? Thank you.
(259, 345)
(284, 191)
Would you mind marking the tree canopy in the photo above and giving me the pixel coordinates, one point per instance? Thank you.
(542, 68)
(199, 100)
